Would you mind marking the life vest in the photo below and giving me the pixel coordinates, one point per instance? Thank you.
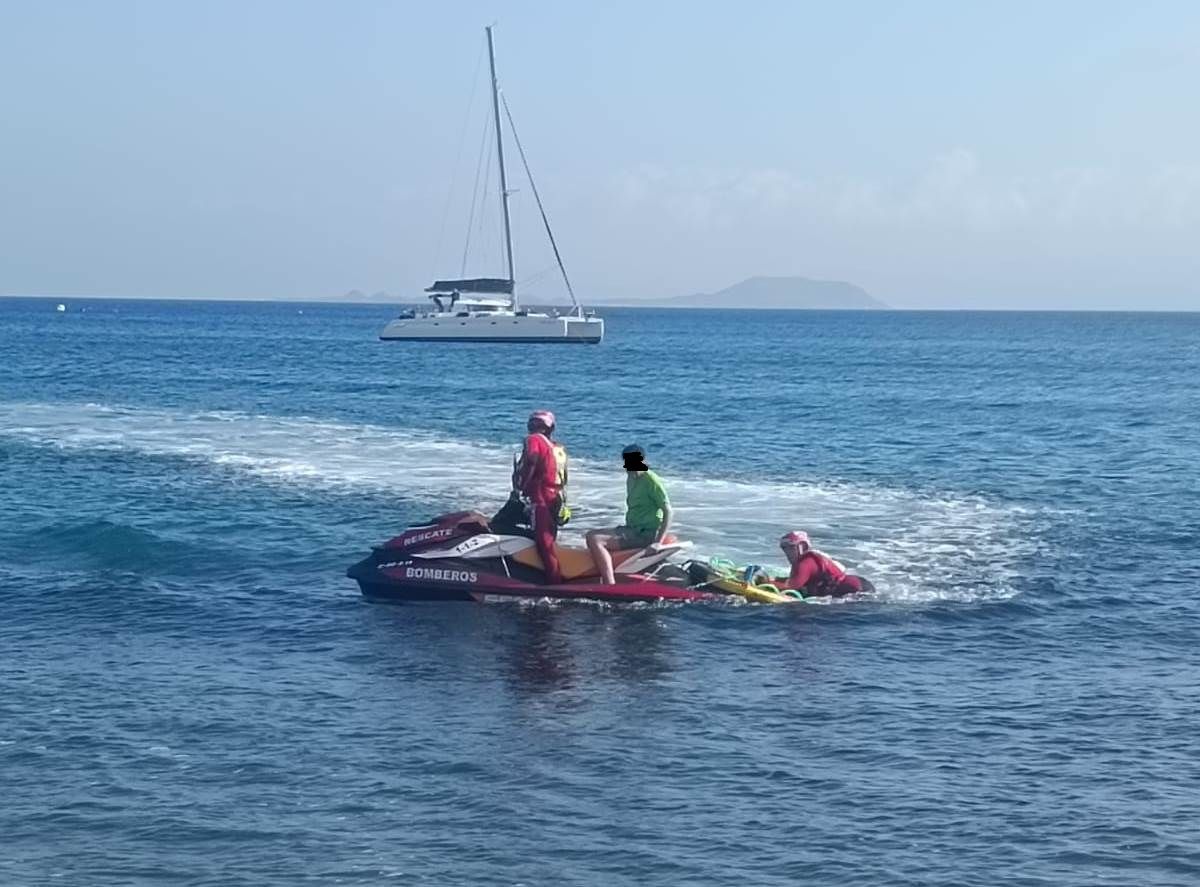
(563, 514)
(560, 464)
(830, 574)
(561, 477)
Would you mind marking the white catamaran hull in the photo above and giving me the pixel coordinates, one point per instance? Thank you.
(511, 328)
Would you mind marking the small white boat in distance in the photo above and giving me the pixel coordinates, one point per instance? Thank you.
(486, 309)
(61, 307)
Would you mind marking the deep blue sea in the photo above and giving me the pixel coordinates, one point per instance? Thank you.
(192, 693)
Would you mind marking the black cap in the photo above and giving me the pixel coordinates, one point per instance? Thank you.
(633, 448)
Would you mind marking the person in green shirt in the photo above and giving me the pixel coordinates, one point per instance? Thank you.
(647, 514)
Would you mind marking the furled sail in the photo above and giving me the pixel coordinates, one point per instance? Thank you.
(474, 285)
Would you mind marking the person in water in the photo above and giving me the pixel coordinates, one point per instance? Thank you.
(647, 514)
(814, 573)
(539, 477)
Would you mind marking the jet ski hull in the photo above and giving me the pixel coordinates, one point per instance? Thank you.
(457, 557)
(381, 577)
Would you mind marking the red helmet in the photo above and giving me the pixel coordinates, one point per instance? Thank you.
(545, 418)
(794, 539)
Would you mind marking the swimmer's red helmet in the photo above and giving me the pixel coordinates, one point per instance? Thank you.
(794, 539)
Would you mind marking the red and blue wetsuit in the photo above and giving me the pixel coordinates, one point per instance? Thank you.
(537, 479)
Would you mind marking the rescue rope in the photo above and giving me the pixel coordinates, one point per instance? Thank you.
(462, 139)
(538, 198)
(483, 143)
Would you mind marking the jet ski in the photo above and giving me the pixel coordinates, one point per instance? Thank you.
(463, 557)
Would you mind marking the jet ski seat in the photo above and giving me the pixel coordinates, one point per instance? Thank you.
(575, 563)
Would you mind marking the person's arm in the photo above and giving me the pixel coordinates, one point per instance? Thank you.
(666, 522)
(658, 494)
(800, 576)
(783, 583)
(531, 464)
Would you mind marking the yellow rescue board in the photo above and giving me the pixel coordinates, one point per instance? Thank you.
(754, 592)
(725, 579)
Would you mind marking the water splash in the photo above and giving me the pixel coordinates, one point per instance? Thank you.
(915, 545)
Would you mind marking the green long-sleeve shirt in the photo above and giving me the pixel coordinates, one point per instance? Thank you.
(645, 499)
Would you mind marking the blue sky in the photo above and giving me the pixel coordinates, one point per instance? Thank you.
(938, 154)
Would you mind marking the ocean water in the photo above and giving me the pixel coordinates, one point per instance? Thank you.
(191, 692)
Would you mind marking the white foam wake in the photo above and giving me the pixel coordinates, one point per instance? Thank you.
(912, 545)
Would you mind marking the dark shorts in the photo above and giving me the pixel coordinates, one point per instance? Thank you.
(627, 537)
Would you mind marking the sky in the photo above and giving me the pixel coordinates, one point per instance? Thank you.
(940, 155)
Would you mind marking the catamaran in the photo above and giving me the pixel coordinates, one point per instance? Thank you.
(487, 309)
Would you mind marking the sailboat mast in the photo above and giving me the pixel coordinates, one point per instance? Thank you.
(503, 176)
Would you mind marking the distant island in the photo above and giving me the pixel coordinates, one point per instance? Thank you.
(375, 298)
(768, 292)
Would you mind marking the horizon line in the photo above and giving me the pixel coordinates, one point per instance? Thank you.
(646, 304)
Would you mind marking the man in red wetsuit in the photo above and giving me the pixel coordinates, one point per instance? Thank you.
(537, 481)
(814, 573)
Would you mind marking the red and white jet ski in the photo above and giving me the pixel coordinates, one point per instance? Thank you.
(458, 557)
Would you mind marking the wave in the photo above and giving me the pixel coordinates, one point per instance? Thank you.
(915, 545)
(108, 545)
